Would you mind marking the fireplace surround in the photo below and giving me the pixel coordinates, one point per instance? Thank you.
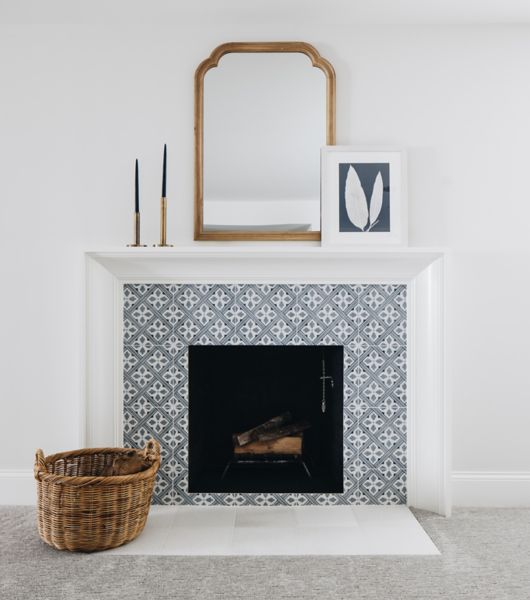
(420, 271)
(164, 322)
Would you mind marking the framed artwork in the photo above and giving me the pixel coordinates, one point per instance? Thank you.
(363, 196)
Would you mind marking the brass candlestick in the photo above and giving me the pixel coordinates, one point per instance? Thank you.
(136, 233)
(163, 224)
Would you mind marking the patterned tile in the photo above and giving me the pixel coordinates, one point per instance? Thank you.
(161, 321)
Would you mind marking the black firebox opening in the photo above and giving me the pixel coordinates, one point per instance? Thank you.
(235, 388)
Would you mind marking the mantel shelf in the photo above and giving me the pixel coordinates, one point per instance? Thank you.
(271, 263)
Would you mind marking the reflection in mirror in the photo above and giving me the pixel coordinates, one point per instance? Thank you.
(264, 125)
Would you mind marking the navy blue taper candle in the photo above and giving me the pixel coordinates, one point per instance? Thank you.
(136, 190)
(164, 173)
(136, 232)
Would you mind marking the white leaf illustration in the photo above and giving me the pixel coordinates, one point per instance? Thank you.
(355, 199)
(376, 202)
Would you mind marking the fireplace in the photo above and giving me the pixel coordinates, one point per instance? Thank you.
(395, 435)
(233, 389)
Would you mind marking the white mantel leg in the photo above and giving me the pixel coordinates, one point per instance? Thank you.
(428, 459)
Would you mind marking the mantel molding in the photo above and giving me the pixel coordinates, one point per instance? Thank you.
(260, 264)
(422, 269)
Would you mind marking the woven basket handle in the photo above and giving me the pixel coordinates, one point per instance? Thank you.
(40, 464)
(152, 450)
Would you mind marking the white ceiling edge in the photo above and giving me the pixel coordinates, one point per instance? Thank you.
(266, 12)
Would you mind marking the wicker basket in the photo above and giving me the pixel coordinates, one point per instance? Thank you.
(80, 510)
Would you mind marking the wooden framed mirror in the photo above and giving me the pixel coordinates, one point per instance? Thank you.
(262, 114)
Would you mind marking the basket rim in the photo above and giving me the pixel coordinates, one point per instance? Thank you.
(42, 476)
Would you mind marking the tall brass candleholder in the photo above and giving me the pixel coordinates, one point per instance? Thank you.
(136, 233)
(163, 224)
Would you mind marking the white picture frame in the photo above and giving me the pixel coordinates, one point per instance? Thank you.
(363, 196)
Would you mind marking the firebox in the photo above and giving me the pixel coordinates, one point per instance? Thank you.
(266, 419)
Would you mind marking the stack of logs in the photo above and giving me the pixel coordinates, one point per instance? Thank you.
(277, 436)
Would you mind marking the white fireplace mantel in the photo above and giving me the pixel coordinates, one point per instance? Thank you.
(422, 269)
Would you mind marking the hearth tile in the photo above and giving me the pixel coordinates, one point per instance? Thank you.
(328, 541)
(213, 517)
(268, 516)
(266, 540)
(192, 541)
(393, 530)
(324, 516)
(153, 538)
(378, 530)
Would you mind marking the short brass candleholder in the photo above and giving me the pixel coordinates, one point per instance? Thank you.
(136, 233)
(163, 224)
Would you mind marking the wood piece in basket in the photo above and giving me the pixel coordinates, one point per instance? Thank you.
(127, 463)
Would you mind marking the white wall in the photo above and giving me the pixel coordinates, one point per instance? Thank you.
(79, 103)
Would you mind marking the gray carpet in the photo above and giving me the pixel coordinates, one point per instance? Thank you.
(485, 555)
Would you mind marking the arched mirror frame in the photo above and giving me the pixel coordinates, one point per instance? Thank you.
(211, 62)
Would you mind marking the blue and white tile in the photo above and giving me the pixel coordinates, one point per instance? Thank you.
(369, 320)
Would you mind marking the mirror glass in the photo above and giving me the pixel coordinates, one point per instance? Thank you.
(264, 125)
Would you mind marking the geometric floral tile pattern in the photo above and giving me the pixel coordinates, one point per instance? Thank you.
(369, 321)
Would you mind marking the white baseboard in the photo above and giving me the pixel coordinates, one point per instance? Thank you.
(17, 487)
(470, 488)
(491, 488)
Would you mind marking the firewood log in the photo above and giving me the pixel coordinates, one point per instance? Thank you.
(253, 435)
(287, 445)
(273, 433)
